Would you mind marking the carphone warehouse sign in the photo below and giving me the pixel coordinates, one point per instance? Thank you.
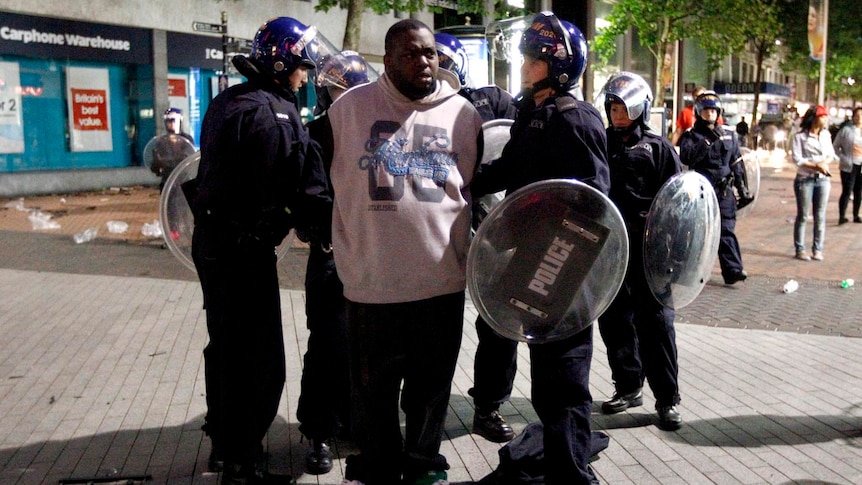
(43, 37)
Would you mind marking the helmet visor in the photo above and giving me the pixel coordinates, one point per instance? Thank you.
(307, 48)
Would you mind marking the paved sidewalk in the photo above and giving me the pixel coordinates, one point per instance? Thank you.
(101, 372)
(102, 376)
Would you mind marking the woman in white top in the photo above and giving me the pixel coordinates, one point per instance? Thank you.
(812, 152)
(848, 148)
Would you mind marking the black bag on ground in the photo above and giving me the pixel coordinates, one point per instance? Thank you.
(522, 459)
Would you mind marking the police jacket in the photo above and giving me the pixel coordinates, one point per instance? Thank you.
(492, 102)
(562, 138)
(259, 174)
(711, 152)
(639, 165)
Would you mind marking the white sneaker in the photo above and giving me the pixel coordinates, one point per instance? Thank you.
(818, 256)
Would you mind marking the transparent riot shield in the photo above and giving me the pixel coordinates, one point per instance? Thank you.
(547, 261)
(496, 134)
(162, 154)
(752, 178)
(175, 215)
(503, 37)
(681, 239)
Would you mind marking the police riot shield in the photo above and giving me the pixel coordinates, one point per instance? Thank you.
(163, 154)
(752, 178)
(547, 261)
(681, 239)
(496, 134)
(177, 220)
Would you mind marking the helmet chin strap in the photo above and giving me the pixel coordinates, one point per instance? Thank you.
(628, 129)
(537, 86)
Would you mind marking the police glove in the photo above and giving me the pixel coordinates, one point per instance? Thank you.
(745, 196)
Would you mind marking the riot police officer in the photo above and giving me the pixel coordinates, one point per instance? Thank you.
(256, 180)
(492, 102)
(713, 151)
(324, 401)
(555, 135)
(637, 330)
(172, 148)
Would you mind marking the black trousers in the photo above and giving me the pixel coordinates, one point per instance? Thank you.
(324, 399)
(560, 373)
(641, 339)
(244, 358)
(851, 183)
(414, 345)
(494, 368)
(729, 254)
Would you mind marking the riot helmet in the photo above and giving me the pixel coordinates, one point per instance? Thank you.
(707, 100)
(632, 91)
(173, 119)
(283, 44)
(452, 55)
(343, 70)
(561, 45)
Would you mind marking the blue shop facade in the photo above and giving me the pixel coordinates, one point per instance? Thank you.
(78, 96)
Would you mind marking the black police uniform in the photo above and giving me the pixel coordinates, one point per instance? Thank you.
(492, 102)
(713, 153)
(561, 138)
(256, 180)
(324, 401)
(637, 330)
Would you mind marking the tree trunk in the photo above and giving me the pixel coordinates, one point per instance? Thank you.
(353, 29)
(758, 75)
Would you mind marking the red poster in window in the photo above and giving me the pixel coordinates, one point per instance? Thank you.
(177, 87)
(90, 109)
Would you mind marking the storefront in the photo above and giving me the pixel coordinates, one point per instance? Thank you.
(82, 96)
(738, 100)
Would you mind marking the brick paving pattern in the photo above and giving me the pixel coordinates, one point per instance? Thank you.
(101, 372)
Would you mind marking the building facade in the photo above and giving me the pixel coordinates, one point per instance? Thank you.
(83, 85)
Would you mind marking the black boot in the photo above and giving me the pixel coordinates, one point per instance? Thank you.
(621, 402)
(492, 426)
(319, 458)
(215, 463)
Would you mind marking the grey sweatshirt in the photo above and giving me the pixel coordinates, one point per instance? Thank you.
(400, 168)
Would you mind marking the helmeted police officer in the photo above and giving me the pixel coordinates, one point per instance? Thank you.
(171, 148)
(637, 329)
(492, 102)
(555, 135)
(256, 180)
(713, 151)
(324, 401)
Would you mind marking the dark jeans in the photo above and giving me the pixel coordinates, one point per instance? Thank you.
(324, 399)
(416, 343)
(244, 359)
(560, 372)
(641, 339)
(851, 183)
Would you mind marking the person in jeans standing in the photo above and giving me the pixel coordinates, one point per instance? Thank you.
(848, 149)
(812, 153)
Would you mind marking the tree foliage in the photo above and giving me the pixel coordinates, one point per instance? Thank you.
(659, 24)
(721, 27)
(356, 8)
(843, 49)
